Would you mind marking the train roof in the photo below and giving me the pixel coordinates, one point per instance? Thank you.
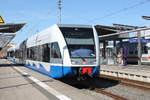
(74, 25)
(64, 25)
(44, 33)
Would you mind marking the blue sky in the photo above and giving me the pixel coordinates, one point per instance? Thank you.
(40, 14)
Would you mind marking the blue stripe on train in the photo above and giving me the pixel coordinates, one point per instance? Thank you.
(59, 71)
(55, 71)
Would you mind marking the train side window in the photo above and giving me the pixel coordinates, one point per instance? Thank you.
(55, 51)
(46, 53)
(32, 53)
(55, 54)
(131, 52)
(40, 53)
(27, 53)
(136, 52)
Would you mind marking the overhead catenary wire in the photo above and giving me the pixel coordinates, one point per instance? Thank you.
(119, 11)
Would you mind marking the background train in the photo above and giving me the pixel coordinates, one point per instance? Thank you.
(59, 51)
(109, 54)
(131, 48)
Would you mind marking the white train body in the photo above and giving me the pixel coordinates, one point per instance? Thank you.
(61, 50)
(146, 55)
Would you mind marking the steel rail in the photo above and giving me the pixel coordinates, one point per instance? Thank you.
(114, 96)
(130, 83)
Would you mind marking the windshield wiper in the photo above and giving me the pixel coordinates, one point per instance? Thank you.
(83, 59)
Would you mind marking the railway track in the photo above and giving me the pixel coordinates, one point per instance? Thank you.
(114, 96)
(107, 87)
(93, 87)
(130, 83)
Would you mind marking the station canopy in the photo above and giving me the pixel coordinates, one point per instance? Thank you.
(7, 32)
(103, 30)
(11, 28)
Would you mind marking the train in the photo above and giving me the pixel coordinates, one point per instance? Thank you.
(131, 48)
(146, 55)
(59, 51)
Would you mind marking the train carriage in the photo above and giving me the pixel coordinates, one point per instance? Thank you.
(146, 55)
(63, 50)
(131, 48)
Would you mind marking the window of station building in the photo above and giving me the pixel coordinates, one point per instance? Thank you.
(55, 51)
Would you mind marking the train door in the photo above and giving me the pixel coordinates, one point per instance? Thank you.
(55, 54)
(132, 53)
(56, 58)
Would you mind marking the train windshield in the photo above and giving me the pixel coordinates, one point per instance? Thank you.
(80, 41)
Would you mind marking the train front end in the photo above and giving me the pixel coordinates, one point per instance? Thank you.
(82, 44)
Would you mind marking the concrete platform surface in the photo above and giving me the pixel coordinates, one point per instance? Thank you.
(134, 72)
(21, 83)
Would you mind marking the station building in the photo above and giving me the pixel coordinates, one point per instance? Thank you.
(7, 33)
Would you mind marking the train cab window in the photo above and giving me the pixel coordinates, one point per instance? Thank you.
(55, 51)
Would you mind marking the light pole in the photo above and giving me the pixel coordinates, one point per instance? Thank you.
(59, 11)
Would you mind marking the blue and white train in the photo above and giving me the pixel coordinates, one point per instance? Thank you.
(60, 50)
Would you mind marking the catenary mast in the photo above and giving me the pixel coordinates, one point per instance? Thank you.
(59, 4)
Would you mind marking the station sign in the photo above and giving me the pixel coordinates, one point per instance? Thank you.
(141, 40)
(1, 20)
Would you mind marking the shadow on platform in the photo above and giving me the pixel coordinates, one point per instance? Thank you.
(11, 65)
(95, 82)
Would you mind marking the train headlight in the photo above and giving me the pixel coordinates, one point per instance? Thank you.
(74, 62)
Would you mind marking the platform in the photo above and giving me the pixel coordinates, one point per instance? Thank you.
(20, 83)
(133, 72)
